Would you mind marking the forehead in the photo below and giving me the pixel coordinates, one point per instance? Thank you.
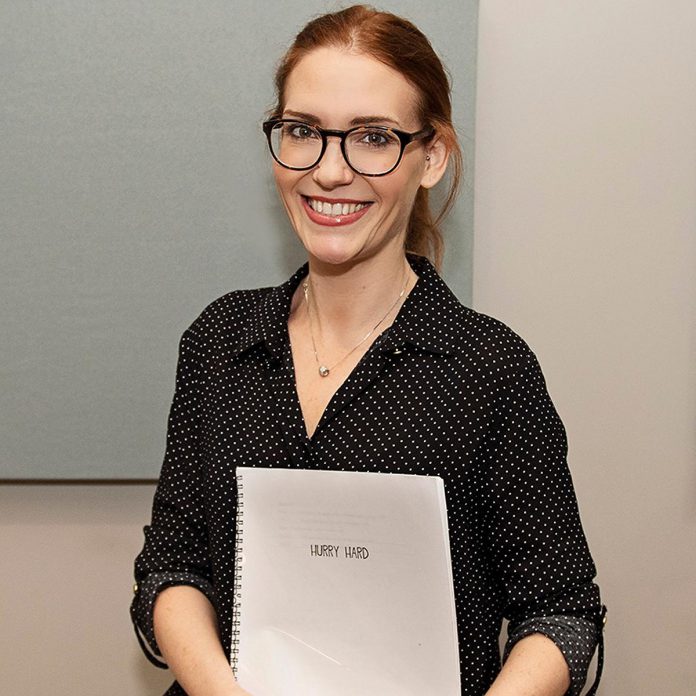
(336, 86)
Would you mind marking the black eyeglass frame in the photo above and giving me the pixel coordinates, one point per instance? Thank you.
(404, 138)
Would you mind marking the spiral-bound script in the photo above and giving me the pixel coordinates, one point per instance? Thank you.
(343, 585)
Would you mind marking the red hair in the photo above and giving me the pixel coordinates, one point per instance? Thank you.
(399, 44)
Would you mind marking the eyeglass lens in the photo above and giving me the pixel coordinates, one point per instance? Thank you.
(368, 150)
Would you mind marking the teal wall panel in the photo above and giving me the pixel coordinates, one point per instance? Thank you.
(134, 189)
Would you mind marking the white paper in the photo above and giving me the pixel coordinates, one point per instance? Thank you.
(346, 585)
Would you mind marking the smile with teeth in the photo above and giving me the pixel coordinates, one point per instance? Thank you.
(334, 209)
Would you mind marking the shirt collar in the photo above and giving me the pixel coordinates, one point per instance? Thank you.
(269, 321)
(429, 319)
(431, 316)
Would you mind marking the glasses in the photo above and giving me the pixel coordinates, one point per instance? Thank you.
(368, 150)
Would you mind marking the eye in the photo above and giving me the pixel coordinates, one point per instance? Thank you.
(375, 138)
(300, 131)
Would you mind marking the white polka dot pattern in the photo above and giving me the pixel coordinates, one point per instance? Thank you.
(444, 391)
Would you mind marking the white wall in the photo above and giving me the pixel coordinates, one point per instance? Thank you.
(67, 558)
(585, 243)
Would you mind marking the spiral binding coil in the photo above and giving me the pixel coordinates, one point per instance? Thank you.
(237, 586)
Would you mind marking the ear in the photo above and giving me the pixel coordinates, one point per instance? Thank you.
(437, 156)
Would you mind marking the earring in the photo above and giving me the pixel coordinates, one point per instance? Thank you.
(427, 158)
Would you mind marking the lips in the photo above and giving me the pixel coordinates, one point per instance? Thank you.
(334, 212)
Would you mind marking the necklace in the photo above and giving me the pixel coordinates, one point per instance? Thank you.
(324, 371)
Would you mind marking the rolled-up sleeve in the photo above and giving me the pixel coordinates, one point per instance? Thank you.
(535, 538)
(176, 542)
(576, 638)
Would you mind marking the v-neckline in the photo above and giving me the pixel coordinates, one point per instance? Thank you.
(359, 378)
(362, 374)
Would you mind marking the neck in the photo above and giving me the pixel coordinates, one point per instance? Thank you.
(347, 301)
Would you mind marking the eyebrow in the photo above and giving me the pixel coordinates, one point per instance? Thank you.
(357, 121)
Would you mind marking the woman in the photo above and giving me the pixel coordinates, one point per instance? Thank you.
(365, 360)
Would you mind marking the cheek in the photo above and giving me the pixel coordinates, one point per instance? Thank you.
(408, 176)
(285, 180)
(401, 194)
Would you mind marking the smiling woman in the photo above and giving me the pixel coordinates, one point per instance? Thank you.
(364, 360)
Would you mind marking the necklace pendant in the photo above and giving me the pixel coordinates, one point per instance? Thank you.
(324, 371)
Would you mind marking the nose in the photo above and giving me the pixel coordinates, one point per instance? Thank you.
(332, 170)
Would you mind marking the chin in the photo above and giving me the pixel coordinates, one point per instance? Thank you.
(330, 246)
(332, 255)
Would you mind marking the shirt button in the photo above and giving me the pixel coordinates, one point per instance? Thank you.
(135, 588)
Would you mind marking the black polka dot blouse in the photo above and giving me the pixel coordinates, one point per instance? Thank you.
(443, 391)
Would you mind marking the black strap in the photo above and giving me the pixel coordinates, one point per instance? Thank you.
(601, 622)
